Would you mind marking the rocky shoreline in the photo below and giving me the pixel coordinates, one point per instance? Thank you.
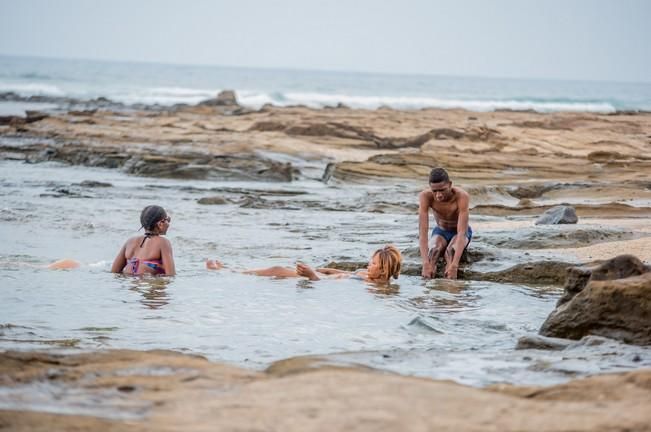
(516, 165)
(560, 151)
(162, 390)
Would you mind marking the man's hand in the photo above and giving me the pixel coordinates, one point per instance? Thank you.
(428, 271)
(451, 271)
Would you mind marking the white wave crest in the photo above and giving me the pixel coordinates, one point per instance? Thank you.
(255, 99)
(317, 100)
(163, 95)
(31, 89)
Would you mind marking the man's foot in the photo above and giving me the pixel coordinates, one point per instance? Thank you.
(451, 271)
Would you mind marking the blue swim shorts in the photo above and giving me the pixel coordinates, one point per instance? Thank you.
(448, 234)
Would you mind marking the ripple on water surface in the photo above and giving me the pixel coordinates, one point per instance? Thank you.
(465, 331)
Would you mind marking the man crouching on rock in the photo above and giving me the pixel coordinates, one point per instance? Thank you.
(451, 212)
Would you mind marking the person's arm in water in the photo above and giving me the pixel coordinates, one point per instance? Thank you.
(423, 231)
(120, 260)
(167, 257)
(461, 240)
(306, 271)
(331, 271)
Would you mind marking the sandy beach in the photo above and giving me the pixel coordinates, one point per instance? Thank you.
(159, 390)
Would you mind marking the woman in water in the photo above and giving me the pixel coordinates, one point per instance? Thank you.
(384, 264)
(146, 254)
(150, 253)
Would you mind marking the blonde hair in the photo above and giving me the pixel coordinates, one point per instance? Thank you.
(390, 261)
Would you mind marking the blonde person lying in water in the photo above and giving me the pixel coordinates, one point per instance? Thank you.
(384, 264)
(149, 253)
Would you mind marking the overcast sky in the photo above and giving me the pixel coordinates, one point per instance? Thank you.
(565, 39)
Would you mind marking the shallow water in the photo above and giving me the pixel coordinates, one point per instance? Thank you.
(461, 330)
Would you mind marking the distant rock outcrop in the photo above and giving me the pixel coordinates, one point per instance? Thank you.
(225, 98)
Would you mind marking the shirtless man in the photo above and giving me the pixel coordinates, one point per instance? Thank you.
(451, 212)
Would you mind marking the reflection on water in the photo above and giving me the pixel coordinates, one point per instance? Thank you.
(461, 330)
(303, 284)
(447, 285)
(383, 290)
(152, 289)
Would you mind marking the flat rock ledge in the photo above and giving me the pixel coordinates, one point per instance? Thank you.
(124, 390)
(162, 161)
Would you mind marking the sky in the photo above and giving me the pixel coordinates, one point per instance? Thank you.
(551, 39)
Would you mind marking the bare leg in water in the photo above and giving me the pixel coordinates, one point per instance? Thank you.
(301, 270)
(436, 250)
(64, 264)
(449, 255)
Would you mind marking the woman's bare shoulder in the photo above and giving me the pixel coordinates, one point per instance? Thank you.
(164, 241)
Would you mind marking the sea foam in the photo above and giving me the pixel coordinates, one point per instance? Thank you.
(31, 89)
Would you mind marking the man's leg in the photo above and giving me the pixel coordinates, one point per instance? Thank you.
(449, 251)
(437, 245)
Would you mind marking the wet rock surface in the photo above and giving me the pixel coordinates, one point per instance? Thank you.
(611, 209)
(370, 144)
(213, 200)
(620, 267)
(549, 237)
(165, 163)
(558, 215)
(94, 184)
(529, 273)
(162, 390)
(611, 300)
(542, 343)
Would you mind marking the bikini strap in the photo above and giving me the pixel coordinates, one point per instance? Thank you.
(147, 235)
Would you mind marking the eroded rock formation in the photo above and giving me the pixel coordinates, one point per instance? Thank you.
(611, 300)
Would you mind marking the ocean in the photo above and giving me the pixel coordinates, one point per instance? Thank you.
(168, 84)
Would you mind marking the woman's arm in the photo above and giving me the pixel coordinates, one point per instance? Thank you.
(331, 271)
(120, 260)
(424, 204)
(167, 257)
